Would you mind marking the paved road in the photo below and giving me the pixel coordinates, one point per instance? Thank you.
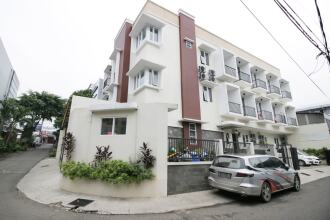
(312, 202)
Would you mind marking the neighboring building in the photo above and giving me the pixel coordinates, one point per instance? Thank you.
(187, 93)
(314, 127)
(9, 83)
(97, 89)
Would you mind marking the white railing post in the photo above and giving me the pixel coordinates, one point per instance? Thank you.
(220, 147)
(273, 150)
(250, 148)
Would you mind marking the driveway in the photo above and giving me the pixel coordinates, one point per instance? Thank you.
(312, 202)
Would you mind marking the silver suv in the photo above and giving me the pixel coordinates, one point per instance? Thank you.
(256, 175)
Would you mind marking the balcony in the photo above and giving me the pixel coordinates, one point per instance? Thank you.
(265, 115)
(106, 83)
(235, 107)
(258, 83)
(274, 92)
(286, 95)
(292, 121)
(249, 111)
(230, 70)
(244, 76)
(279, 118)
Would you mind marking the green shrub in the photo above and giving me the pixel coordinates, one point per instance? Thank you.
(11, 147)
(320, 153)
(111, 171)
(52, 152)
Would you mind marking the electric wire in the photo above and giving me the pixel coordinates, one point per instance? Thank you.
(282, 47)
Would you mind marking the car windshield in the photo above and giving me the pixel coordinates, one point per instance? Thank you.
(229, 162)
(265, 162)
(302, 153)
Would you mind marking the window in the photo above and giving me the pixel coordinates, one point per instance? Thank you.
(189, 44)
(149, 77)
(112, 126)
(266, 162)
(139, 80)
(207, 94)
(204, 58)
(141, 36)
(229, 162)
(192, 133)
(153, 77)
(153, 35)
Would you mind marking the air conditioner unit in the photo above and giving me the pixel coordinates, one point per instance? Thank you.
(201, 69)
(202, 76)
(211, 75)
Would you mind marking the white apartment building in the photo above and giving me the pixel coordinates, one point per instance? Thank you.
(227, 93)
(186, 92)
(9, 83)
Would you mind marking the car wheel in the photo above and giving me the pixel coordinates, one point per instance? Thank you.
(296, 183)
(266, 193)
(302, 163)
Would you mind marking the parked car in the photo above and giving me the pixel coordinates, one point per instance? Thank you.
(256, 175)
(307, 160)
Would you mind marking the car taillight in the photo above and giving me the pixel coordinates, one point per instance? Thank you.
(212, 170)
(244, 174)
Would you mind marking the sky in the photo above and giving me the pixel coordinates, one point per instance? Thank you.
(64, 45)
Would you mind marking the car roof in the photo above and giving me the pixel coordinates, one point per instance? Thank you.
(245, 156)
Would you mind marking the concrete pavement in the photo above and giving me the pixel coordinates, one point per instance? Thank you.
(41, 184)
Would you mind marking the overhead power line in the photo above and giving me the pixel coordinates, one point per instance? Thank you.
(282, 47)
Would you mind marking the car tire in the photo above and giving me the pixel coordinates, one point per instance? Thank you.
(296, 183)
(302, 163)
(266, 192)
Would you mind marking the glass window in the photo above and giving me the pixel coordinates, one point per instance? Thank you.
(207, 94)
(107, 124)
(265, 162)
(189, 44)
(204, 57)
(192, 133)
(153, 35)
(229, 162)
(153, 77)
(120, 125)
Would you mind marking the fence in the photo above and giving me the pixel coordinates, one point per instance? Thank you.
(235, 148)
(181, 150)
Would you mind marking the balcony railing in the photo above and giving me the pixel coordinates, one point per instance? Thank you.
(259, 83)
(292, 121)
(261, 148)
(279, 118)
(230, 70)
(235, 107)
(235, 147)
(286, 94)
(274, 89)
(265, 115)
(249, 111)
(106, 82)
(244, 76)
(182, 150)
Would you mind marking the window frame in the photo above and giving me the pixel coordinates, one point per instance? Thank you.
(193, 139)
(113, 125)
(148, 79)
(207, 94)
(204, 55)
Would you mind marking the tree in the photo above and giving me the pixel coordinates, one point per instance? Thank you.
(11, 113)
(40, 106)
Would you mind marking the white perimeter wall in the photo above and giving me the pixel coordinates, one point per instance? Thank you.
(311, 136)
(146, 124)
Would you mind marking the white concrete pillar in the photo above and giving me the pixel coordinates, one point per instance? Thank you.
(250, 148)
(220, 147)
(59, 145)
(273, 151)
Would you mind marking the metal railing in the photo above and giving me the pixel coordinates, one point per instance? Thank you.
(259, 83)
(274, 89)
(265, 115)
(230, 70)
(181, 150)
(261, 148)
(235, 147)
(106, 82)
(244, 76)
(249, 111)
(286, 94)
(292, 121)
(279, 118)
(235, 107)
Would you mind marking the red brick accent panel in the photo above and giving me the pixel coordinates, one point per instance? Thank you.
(123, 43)
(189, 79)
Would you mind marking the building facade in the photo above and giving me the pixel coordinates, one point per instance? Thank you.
(9, 83)
(314, 127)
(222, 91)
(188, 94)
